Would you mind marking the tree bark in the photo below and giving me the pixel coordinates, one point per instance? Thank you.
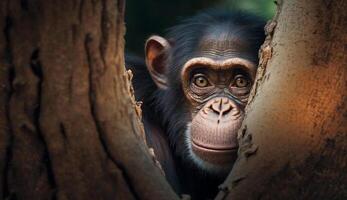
(293, 142)
(69, 125)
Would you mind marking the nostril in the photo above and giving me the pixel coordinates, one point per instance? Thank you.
(216, 105)
(225, 106)
(226, 109)
(221, 106)
(215, 108)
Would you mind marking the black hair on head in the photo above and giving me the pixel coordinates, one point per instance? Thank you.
(185, 37)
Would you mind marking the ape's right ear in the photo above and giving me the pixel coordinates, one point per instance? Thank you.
(157, 49)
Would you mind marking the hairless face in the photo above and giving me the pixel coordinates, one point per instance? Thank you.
(217, 86)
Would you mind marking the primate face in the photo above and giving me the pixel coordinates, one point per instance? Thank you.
(217, 92)
(205, 73)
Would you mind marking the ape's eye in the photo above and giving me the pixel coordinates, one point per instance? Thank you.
(241, 81)
(201, 81)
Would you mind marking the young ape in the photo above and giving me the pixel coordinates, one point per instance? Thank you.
(194, 86)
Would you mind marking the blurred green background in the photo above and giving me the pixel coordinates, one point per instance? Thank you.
(146, 17)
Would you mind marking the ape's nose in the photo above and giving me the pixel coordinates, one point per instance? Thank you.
(221, 106)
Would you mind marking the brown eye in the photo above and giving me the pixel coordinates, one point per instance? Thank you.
(241, 82)
(201, 81)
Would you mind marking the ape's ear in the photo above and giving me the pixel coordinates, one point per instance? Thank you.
(157, 49)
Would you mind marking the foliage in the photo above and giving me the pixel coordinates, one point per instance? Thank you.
(146, 17)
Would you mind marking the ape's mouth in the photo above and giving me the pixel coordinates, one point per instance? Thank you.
(217, 156)
(215, 148)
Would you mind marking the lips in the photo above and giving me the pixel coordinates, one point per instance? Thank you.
(221, 149)
(212, 136)
(216, 157)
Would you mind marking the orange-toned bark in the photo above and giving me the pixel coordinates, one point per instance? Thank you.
(294, 138)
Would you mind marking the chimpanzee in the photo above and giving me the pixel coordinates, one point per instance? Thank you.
(194, 85)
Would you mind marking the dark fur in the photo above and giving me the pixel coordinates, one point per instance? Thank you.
(167, 109)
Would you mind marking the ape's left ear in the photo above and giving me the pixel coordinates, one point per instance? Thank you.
(156, 50)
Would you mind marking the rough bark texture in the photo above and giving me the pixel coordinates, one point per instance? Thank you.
(69, 128)
(294, 138)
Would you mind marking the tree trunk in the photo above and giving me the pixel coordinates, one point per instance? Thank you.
(69, 126)
(293, 143)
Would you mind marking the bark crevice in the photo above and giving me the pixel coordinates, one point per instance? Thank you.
(7, 129)
(93, 74)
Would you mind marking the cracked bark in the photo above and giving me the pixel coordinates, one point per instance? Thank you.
(297, 116)
(69, 126)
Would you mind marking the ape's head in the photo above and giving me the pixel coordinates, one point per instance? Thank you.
(204, 70)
